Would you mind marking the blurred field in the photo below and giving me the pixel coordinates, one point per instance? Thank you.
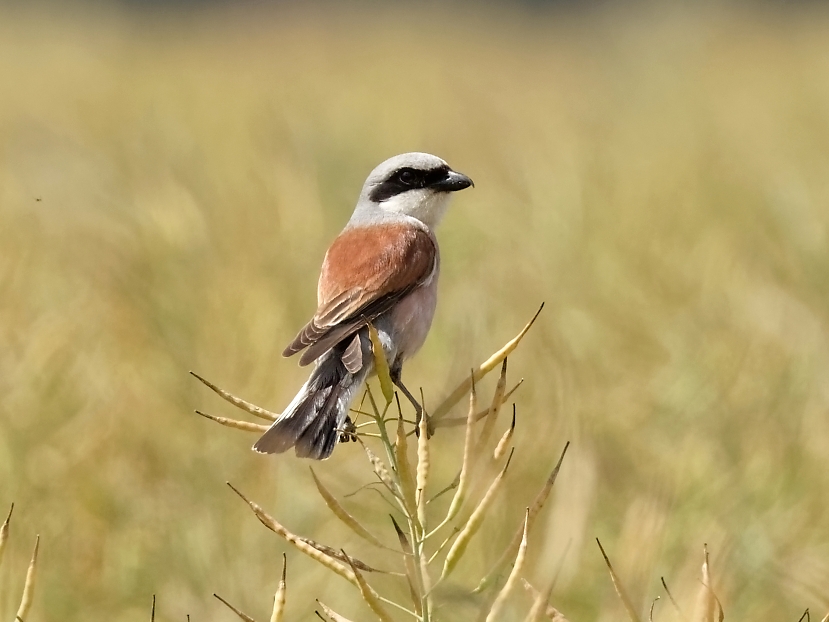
(169, 183)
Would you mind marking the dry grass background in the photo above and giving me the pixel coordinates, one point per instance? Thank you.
(169, 183)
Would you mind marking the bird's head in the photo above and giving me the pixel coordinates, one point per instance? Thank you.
(418, 185)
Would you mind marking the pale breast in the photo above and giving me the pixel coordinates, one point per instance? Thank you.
(411, 318)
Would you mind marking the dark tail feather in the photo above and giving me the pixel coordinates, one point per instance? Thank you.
(311, 421)
(318, 440)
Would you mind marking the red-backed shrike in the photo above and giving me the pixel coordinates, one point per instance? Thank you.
(383, 269)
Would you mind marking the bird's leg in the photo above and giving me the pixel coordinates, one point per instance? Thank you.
(395, 372)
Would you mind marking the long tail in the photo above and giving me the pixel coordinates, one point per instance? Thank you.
(312, 421)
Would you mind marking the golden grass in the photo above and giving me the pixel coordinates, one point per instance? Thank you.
(169, 183)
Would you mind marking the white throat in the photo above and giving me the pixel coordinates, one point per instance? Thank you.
(425, 205)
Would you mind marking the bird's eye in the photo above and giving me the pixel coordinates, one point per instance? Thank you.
(407, 177)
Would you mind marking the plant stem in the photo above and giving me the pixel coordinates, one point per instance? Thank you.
(415, 530)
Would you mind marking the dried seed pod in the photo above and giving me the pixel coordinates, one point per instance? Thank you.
(247, 426)
(278, 614)
(451, 422)
(409, 564)
(4, 533)
(381, 365)
(541, 607)
(423, 467)
(404, 469)
(29, 586)
(512, 579)
(370, 596)
(253, 409)
(535, 508)
(335, 554)
(620, 590)
(381, 470)
(494, 409)
(501, 447)
(241, 614)
(341, 513)
(473, 524)
(300, 543)
(708, 605)
(485, 367)
(333, 615)
(466, 467)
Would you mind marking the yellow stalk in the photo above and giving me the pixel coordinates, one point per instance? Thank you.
(485, 367)
(253, 409)
(427, 581)
(512, 579)
(247, 426)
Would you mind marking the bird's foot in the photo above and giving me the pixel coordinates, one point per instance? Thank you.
(348, 431)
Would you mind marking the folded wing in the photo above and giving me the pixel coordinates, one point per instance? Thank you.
(365, 272)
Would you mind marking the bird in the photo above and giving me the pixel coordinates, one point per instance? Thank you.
(381, 270)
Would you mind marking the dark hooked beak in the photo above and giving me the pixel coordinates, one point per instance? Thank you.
(453, 182)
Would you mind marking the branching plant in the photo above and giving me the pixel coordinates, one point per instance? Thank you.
(430, 546)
